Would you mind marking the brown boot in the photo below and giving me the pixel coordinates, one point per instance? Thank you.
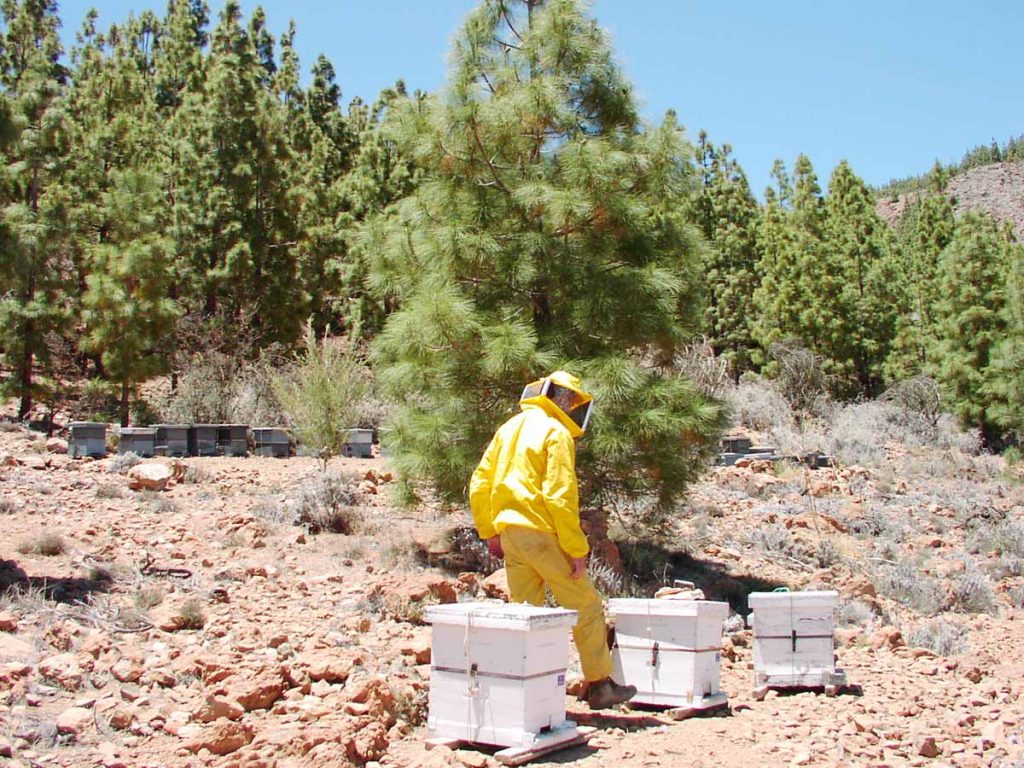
(605, 694)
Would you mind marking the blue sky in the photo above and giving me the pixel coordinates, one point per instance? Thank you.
(889, 86)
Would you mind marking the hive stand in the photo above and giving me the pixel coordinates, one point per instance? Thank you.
(570, 735)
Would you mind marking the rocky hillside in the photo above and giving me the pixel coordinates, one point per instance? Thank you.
(190, 622)
(996, 189)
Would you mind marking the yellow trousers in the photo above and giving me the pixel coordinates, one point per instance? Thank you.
(534, 560)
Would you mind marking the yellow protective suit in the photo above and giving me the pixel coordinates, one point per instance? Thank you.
(525, 491)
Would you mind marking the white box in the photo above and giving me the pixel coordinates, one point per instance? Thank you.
(497, 672)
(793, 643)
(671, 650)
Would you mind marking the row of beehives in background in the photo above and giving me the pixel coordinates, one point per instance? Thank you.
(741, 450)
(89, 438)
(498, 671)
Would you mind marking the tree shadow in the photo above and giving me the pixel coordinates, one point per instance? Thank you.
(67, 590)
(653, 566)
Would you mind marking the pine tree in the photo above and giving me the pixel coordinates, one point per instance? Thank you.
(970, 319)
(1005, 385)
(127, 312)
(547, 231)
(925, 230)
(33, 81)
(860, 253)
(728, 216)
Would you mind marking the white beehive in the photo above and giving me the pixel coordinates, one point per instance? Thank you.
(793, 643)
(670, 650)
(497, 672)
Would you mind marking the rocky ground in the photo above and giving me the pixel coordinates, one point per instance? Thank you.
(199, 626)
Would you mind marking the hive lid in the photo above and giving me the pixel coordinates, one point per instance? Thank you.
(632, 606)
(144, 431)
(823, 599)
(512, 616)
(84, 424)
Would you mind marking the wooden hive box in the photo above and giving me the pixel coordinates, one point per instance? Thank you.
(87, 438)
(497, 673)
(138, 440)
(172, 439)
(671, 650)
(793, 642)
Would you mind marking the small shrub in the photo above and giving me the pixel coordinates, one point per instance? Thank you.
(192, 614)
(405, 609)
(328, 506)
(972, 593)
(773, 539)
(906, 584)
(403, 553)
(939, 636)
(322, 392)
(411, 705)
(108, 491)
(825, 554)
(148, 597)
(801, 377)
(1016, 596)
(757, 405)
(708, 372)
(274, 512)
(162, 506)
(1008, 567)
(854, 613)
(7, 507)
(46, 544)
(122, 462)
(1005, 539)
(196, 475)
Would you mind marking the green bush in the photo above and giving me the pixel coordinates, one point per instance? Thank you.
(322, 393)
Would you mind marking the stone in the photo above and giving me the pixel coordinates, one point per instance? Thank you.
(56, 445)
(221, 738)
(121, 718)
(471, 759)
(8, 622)
(217, 707)
(175, 613)
(418, 647)
(74, 720)
(150, 476)
(62, 669)
(926, 746)
(496, 585)
(330, 666)
(126, 670)
(255, 692)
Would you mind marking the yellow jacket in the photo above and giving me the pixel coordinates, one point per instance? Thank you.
(527, 478)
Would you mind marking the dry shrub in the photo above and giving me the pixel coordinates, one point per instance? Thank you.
(122, 462)
(800, 375)
(196, 475)
(411, 705)
(328, 505)
(108, 491)
(757, 405)
(192, 614)
(907, 584)
(708, 372)
(939, 636)
(8, 507)
(973, 593)
(46, 544)
(854, 613)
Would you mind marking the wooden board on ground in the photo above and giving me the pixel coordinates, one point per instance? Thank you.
(545, 745)
(684, 713)
(523, 755)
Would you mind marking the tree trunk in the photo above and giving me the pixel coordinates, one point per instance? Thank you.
(124, 403)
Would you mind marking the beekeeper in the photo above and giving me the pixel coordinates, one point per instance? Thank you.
(525, 504)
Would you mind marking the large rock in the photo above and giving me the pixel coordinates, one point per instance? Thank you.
(419, 587)
(217, 707)
(496, 585)
(256, 692)
(56, 445)
(62, 669)
(150, 476)
(221, 738)
(332, 666)
(74, 720)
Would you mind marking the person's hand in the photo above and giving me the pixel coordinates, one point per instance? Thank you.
(494, 547)
(579, 567)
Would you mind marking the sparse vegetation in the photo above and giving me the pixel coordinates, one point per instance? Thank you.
(192, 614)
(907, 584)
(328, 504)
(972, 592)
(8, 507)
(45, 544)
(108, 491)
(122, 462)
(939, 636)
(196, 475)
